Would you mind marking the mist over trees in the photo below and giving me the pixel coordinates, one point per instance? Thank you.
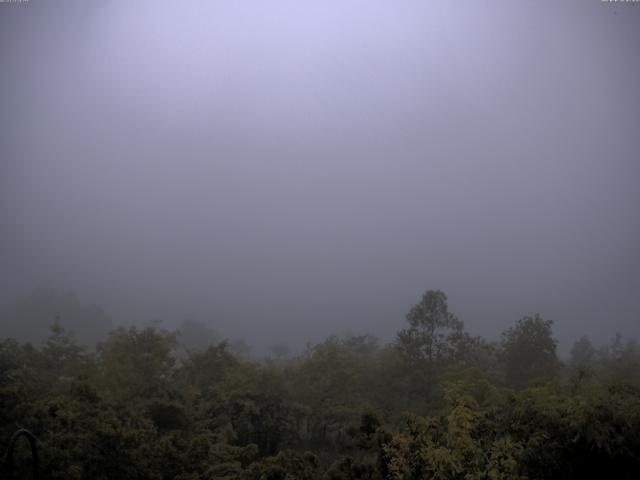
(257, 193)
(29, 318)
(434, 402)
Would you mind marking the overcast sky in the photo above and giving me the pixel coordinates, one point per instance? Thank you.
(290, 169)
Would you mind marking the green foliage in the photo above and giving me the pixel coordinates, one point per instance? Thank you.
(435, 339)
(286, 465)
(442, 406)
(434, 333)
(529, 352)
(137, 363)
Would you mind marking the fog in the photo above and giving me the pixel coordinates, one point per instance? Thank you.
(286, 170)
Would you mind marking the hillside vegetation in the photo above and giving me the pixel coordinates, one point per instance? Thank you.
(436, 403)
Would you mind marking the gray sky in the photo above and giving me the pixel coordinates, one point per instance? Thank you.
(290, 169)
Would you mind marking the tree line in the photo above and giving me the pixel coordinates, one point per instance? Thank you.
(435, 403)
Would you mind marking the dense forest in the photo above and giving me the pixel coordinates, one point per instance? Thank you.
(435, 403)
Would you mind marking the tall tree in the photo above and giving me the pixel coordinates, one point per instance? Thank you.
(435, 339)
(529, 352)
(434, 333)
(583, 353)
(138, 363)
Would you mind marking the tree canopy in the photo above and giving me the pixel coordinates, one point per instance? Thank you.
(140, 406)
